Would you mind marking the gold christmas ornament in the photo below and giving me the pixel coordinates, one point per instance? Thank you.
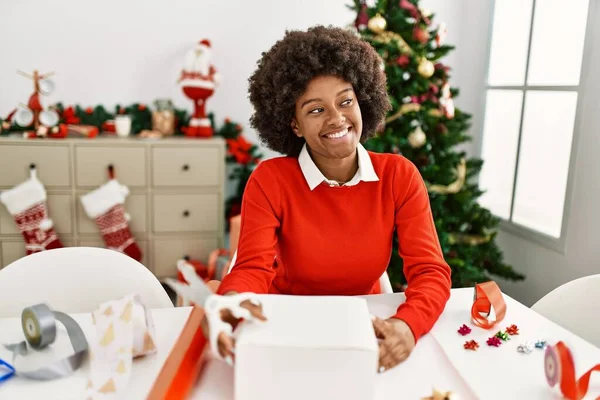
(405, 108)
(471, 240)
(434, 112)
(426, 68)
(454, 187)
(387, 36)
(377, 24)
(417, 138)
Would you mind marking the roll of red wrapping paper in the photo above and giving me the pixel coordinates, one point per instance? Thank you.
(487, 300)
(560, 369)
(185, 362)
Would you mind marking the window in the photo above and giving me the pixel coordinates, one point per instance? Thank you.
(532, 92)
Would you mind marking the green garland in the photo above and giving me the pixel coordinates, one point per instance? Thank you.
(241, 154)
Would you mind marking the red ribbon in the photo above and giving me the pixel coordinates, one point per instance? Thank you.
(487, 296)
(560, 368)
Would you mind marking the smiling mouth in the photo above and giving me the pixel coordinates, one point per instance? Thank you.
(337, 135)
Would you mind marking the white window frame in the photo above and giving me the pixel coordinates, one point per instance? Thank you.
(550, 242)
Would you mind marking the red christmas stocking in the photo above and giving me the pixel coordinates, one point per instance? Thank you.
(105, 206)
(26, 202)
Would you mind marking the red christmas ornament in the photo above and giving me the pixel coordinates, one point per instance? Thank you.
(471, 345)
(89, 110)
(442, 130)
(69, 116)
(440, 66)
(464, 330)
(121, 110)
(141, 107)
(403, 61)
(227, 120)
(362, 19)
(411, 8)
(512, 330)
(494, 341)
(421, 35)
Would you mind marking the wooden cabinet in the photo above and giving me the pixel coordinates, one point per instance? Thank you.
(176, 199)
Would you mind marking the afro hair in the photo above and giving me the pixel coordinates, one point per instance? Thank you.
(284, 72)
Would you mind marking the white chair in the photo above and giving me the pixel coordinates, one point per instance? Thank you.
(76, 280)
(384, 281)
(575, 306)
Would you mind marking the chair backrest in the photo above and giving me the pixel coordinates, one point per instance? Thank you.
(575, 306)
(384, 280)
(76, 279)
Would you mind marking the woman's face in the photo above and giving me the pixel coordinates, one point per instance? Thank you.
(328, 118)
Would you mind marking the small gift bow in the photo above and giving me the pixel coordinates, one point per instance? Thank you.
(471, 345)
(512, 330)
(464, 330)
(437, 395)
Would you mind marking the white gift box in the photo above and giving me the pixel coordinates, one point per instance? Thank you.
(310, 348)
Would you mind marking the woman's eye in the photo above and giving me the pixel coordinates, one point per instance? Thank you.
(347, 102)
(316, 111)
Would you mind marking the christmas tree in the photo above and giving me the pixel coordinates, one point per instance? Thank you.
(425, 127)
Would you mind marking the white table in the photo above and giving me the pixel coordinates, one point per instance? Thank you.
(439, 359)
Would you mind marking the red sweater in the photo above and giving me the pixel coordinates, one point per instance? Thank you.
(338, 240)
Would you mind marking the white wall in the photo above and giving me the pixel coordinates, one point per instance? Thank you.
(112, 51)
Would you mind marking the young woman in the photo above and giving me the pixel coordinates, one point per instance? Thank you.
(320, 221)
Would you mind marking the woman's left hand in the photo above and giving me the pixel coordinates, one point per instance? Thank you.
(396, 342)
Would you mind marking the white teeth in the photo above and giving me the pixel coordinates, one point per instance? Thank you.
(338, 134)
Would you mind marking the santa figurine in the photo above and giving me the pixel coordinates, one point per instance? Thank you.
(198, 80)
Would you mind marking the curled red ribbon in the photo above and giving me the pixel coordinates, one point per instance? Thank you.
(488, 300)
(560, 369)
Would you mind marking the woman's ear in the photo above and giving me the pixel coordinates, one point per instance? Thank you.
(295, 128)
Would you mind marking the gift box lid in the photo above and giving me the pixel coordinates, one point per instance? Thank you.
(315, 322)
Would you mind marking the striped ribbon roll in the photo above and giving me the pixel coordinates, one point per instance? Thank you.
(488, 307)
(560, 369)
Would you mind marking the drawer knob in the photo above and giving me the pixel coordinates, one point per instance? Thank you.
(186, 167)
(186, 213)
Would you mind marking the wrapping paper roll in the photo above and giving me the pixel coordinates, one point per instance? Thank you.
(125, 330)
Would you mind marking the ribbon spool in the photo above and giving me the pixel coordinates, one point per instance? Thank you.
(39, 327)
(560, 369)
(488, 307)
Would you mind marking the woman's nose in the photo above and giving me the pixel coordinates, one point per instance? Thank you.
(336, 118)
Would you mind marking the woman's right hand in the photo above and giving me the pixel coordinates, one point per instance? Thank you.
(225, 342)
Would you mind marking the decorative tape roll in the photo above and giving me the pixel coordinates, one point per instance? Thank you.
(39, 327)
(488, 307)
(560, 369)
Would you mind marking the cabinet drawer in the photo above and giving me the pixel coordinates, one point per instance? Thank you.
(91, 165)
(59, 211)
(135, 206)
(187, 212)
(143, 244)
(166, 252)
(52, 164)
(12, 251)
(181, 166)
